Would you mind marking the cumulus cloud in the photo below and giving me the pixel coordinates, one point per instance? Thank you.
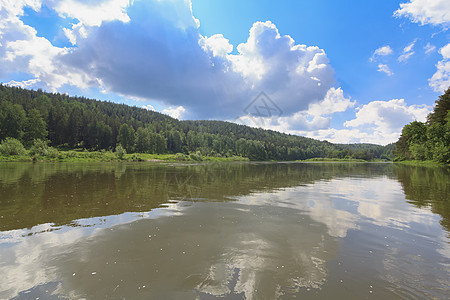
(385, 69)
(22, 50)
(91, 13)
(440, 81)
(386, 118)
(151, 57)
(408, 51)
(434, 12)
(175, 112)
(316, 117)
(153, 50)
(217, 44)
(382, 51)
(333, 102)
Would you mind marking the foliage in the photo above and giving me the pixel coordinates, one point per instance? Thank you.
(431, 140)
(35, 127)
(120, 151)
(41, 148)
(12, 146)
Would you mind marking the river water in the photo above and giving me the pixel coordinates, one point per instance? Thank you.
(224, 230)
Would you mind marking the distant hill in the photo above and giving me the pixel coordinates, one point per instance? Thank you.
(77, 122)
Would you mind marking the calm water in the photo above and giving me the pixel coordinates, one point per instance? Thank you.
(230, 230)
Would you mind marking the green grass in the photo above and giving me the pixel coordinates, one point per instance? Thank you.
(109, 156)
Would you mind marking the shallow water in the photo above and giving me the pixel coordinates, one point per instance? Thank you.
(224, 230)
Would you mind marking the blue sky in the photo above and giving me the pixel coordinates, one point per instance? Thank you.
(342, 71)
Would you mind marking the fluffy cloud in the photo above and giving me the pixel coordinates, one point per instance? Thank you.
(382, 51)
(153, 57)
(175, 112)
(440, 81)
(435, 12)
(386, 118)
(385, 69)
(91, 13)
(378, 122)
(153, 50)
(21, 50)
(316, 117)
(217, 44)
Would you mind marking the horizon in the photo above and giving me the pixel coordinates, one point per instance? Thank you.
(345, 73)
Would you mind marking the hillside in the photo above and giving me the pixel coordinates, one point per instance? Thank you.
(77, 122)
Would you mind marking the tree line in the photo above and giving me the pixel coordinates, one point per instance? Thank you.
(428, 140)
(77, 122)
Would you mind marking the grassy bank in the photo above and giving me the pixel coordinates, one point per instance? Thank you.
(325, 159)
(109, 156)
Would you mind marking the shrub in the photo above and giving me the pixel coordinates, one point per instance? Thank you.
(196, 156)
(41, 148)
(120, 151)
(181, 157)
(11, 146)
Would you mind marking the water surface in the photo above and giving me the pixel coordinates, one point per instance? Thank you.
(227, 230)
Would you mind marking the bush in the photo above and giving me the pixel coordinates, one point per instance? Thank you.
(196, 156)
(41, 148)
(11, 146)
(120, 151)
(181, 157)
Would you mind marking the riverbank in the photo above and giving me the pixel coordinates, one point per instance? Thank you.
(325, 159)
(109, 156)
(424, 163)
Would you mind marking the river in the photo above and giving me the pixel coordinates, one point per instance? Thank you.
(224, 230)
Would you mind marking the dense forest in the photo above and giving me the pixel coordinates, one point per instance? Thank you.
(31, 117)
(430, 140)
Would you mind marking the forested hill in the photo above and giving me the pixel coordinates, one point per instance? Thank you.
(76, 122)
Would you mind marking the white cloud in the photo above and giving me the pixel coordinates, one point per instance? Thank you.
(408, 51)
(435, 12)
(175, 112)
(153, 50)
(294, 76)
(148, 107)
(219, 45)
(91, 13)
(440, 81)
(405, 56)
(382, 51)
(23, 84)
(385, 69)
(333, 102)
(378, 122)
(23, 51)
(180, 67)
(445, 51)
(385, 119)
(316, 117)
(429, 48)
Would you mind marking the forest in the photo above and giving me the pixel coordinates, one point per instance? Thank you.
(37, 119)
(430, 140)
